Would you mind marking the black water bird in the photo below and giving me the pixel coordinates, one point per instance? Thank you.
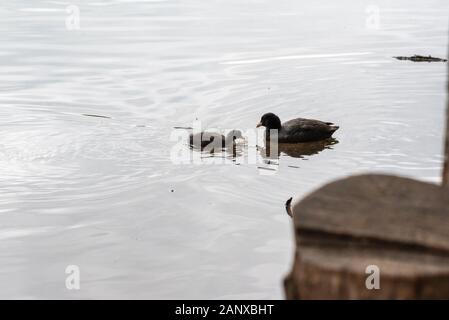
(214, 140)
(297, 130)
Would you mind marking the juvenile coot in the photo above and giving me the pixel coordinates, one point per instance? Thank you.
(297, 130)
(214, 140)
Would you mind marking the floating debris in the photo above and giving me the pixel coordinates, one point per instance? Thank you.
(418, 58)
(270, 169)
(96, 116)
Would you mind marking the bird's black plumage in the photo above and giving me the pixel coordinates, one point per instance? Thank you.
(297, 130)
(214, 140)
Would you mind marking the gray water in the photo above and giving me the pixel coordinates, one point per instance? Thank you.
(104, 194)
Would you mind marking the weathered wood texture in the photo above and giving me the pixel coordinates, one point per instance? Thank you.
(398, 224)
(446, 145)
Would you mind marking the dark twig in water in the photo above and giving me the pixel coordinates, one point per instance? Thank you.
(96, 116)
(446, 143)
(269, 169)
(418, 58)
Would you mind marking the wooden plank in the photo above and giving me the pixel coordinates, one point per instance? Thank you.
(381, 207)
(399, 224)
(338, 272)
(446, 145)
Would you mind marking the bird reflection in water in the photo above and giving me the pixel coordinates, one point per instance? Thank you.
(298, 150)
(214, 145)
(229, 152)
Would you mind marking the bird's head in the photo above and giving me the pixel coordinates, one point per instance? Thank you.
(270, 121)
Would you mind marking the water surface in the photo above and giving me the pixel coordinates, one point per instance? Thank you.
(102, 192)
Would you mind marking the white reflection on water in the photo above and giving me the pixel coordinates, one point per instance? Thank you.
(295, 57)
(102, 193)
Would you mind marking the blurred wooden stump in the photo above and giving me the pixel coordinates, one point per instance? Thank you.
(398, 224)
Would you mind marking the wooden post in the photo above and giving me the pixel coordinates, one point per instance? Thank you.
(352, 231)
(446, 145)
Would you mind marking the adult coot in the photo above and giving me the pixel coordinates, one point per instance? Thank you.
(297, 130)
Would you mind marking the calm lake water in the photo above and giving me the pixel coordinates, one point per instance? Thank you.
(104, 194)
